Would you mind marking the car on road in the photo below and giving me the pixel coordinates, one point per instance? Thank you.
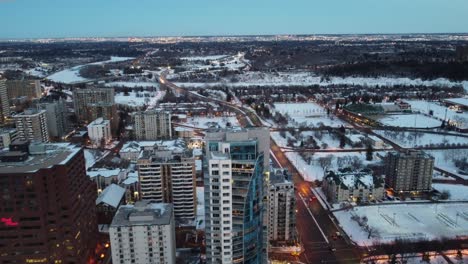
(332, 249)
(312, 198)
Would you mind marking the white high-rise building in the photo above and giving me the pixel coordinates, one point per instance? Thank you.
(235, 190)
(152, 125)
(143, 233)
(56, 113)
(281, 207)
(167, 175)
(4, 101)
(32, 125)
(99, 131)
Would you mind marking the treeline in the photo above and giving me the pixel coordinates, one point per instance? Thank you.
(454, 71)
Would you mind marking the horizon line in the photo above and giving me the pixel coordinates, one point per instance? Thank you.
(237, 35)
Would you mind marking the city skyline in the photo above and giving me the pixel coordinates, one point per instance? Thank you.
(38, 19)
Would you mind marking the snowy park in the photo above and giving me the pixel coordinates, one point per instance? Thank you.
(367, 225)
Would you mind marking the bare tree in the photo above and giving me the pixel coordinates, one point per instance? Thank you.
(325, 162)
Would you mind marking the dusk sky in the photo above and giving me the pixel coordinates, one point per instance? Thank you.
(112, 18)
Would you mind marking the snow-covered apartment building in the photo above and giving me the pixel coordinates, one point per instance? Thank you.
(352, 186)
(143, 233)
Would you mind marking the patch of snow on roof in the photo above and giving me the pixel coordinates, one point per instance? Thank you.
(111, 195)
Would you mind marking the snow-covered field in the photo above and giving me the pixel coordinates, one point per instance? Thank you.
(409, 120)
(207, 121)
(308, 78)
(444, 159)
(407, 221)
(457, 191)
(139, 99)
(308, 114)
(415, 139)
(72, 75)
(440, 111)
(132, 84)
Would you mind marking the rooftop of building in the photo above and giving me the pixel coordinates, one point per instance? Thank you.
(111, 195)
(103, 173)
(42, 155)
(143, 213)
(30, 112)
(458, 101)
(411, 154)
(218, 155)
(137, 146)
(99, 122)
(166, 155)
(280, 176)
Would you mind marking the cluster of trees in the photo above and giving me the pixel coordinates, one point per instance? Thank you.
(455, 71)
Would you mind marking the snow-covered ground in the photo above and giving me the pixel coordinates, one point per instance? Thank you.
(307, 114)
(457, 191)
(132, 84)
(435, 258)
(409, 120)
(139, 99)
(309, 78)
(72, 75)
(314, 171)
(407, 221)
(209, 121)
(444, 160)
(440, 111)
(415, 139)
(200, 220)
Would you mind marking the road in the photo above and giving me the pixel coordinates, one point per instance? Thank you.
(314, 235)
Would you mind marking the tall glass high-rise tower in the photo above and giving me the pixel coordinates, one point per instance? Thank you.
(234, 195)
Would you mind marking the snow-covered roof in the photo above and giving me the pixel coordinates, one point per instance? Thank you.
(136, 146)
(112, 195)
(132, 177)
(197, 152)
(459, 101)
(352, 180)
(103, 173)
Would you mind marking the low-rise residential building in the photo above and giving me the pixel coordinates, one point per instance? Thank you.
(352, 186)
(143, 233)
(99, 132)
(108, 202)
(281, 207)
(105, 177)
